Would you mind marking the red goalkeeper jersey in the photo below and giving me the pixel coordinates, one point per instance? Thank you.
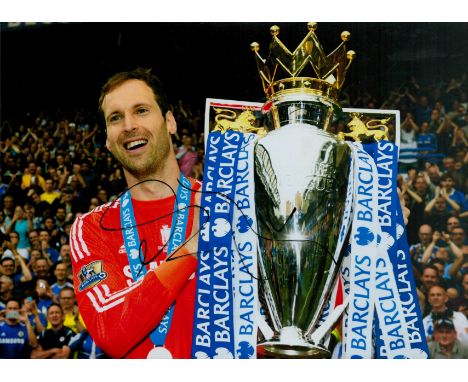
(120, 313)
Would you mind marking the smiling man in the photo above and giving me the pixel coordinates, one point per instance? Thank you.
(133, 259)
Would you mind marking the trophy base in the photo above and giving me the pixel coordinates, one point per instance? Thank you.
(269, 350)
(290, 343)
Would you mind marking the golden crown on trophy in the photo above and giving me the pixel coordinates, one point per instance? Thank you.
(328, 71)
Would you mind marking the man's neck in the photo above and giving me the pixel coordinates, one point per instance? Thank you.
(155, 186)
(440, 309)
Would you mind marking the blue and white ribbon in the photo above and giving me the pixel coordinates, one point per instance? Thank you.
(132, 247)
(213, 332)
(394, 337)
(357, 336)
(244, 243)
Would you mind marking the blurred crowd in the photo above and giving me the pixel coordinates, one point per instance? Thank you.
(55, 167)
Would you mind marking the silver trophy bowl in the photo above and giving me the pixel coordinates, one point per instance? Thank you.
(301, 177)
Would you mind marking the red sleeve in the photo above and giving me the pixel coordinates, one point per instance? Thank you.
(118, 316)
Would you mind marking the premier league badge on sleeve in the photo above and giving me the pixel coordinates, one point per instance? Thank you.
(91, 274)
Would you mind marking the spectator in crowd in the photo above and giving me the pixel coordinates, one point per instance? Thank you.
(65, 259)
(449, 168)
(417, 251)
(456, 199)
(51, 342)
(445, 344)
(34, 256)
(436, 211)
(408, 143)
(37, 319)
(72, 316)
(46, 250)
(45, 297)
(42, 269)
(8, 210)
(31, 179)
(11, 247)
(439, 310)
(429, 278)
(452, 222)
(17, 336)
(21, 224)
(450, 268)
(61, 275)
(457, 237)
(49, 195)
(20, 277)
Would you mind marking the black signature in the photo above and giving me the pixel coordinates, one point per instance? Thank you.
(143, 244)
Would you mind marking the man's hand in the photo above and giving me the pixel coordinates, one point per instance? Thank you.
(436, 236)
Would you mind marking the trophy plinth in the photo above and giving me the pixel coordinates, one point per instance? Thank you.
(289, 343)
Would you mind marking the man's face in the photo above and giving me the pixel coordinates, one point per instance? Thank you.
(447, 183)
(425, 234)
(44, 236)
(60, 214)
(8, 266)
(55, 316)
(433, 175)
(33, 237)
(138, 135)
(440, 204)
(445, 336)
(65, 251)
(452, 223)
(12, 306)
(49, 224)
(448, 163)
(458, 236)
(60, 272)
(429, 277)
(67, 299)
(32, 168)
(35, 254)
(8, 202)
(437, 298)
(5, 284)
(14, 238)
(49, 185)
(41, 268)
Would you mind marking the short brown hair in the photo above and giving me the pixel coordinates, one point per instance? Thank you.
(137, 74)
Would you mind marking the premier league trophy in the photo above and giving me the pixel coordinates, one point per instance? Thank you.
(301, 178)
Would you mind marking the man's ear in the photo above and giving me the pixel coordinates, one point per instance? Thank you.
(108, 144)
(171, 122)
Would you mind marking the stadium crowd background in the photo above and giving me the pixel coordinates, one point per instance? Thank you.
(54, 166)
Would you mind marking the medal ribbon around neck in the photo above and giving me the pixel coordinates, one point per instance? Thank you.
(132, 244)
